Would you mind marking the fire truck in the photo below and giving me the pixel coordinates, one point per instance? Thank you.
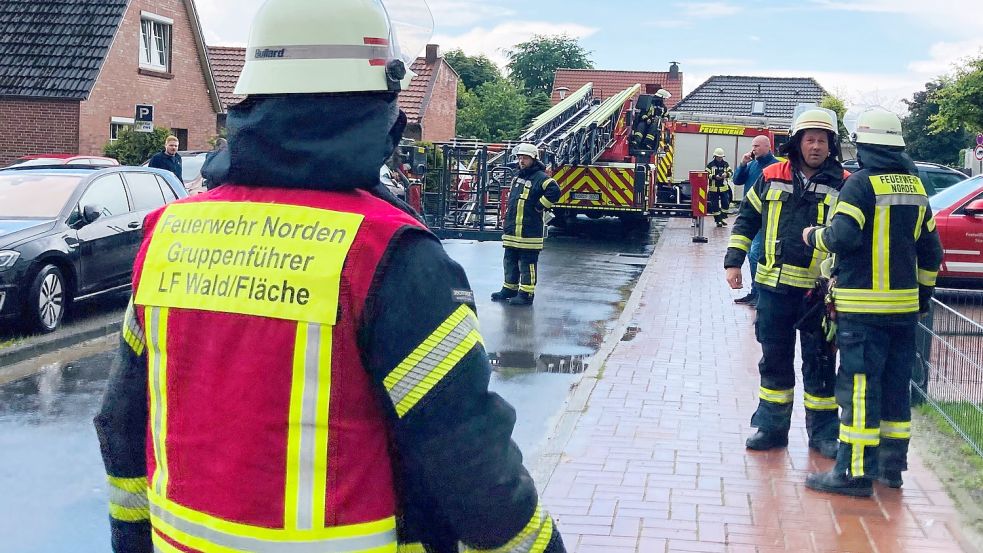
(605, 156)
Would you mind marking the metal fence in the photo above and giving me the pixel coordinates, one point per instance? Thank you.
(949, 372)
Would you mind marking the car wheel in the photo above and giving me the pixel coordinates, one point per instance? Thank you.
(47, 300)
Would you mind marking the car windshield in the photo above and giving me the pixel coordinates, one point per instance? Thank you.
(191, 166)
(40, 161)
(26, 195)
(955, 193)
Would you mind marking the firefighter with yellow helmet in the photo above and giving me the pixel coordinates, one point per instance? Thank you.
(887, 256)
(531, 194)
(788, 197)
(309, 416)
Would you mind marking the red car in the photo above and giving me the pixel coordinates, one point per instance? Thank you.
(64, 159)
(959, 216)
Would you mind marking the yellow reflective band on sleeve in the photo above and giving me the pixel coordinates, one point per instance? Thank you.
(927, 278)
(851, 211)
(742, 243)
(776, 396)
(128, 499)
(440, 352)
(210, 534)
(930, 224)
(132, 333)
(266, 260)
(820, 403)
(820, 244)
(545, 202)
(897, 430)
(753, 199)
(533, 538)
(920, 223)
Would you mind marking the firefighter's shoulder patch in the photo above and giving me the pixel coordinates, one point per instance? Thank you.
(463, 296)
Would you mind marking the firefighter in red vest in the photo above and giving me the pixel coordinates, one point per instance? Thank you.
(301, 363)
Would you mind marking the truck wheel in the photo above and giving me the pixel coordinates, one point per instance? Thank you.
(47, 300)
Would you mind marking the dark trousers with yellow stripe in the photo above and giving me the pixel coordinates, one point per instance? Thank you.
(715, 206)
(874, 392)
(520, 269)
(775, 330)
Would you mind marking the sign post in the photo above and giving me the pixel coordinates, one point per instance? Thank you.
(143, 119)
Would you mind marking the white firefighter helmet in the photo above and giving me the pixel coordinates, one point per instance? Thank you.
(815, 118)
(878, 126)
(526, 149)
(663, 93)
(719, 152)
(303, 47)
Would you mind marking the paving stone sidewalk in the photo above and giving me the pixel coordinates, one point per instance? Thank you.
(656, 462)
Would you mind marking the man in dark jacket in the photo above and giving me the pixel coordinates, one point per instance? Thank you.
(747, 174)
(532, 193)
(373, 428)
(789, 197)
(168, 159)
(887, 256)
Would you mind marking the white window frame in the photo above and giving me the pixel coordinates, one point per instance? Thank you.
(118, 123)
(155, 41)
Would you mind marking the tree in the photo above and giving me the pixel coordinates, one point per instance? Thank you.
(538, 102)
(838, 107)
(920, 143)
(473, 70)
(495, 112)
(133, 148)
(532, 64)
(961, 99)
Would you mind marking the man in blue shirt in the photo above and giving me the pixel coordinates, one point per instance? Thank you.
(748, 172)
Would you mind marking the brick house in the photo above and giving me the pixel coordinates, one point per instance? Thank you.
(430, 102)
(72, 72)
(607, 83)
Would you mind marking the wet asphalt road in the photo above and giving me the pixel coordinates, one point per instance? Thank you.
(52, 488)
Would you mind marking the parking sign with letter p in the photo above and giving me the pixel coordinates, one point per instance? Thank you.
(143, 119)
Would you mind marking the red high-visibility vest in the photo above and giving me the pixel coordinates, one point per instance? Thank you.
(264, 431)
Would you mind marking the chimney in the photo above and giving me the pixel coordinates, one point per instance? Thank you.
(562, 91)
(432, 53)
(674, 70)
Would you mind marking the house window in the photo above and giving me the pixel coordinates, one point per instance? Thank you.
(757, 107)
(118, 124)
(155, 41)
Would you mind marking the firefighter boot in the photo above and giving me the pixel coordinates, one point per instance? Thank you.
(762, 440)
(524, 298)
(504, 294)
(890, 478)
(839, 483)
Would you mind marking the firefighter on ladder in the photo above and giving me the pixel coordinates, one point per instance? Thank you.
(532, 193)
(887, 258)
(719, 187)
(309, 416)
(790, 196)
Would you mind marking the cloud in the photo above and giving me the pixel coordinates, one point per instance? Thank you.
(464, 13)
(718, 62)
(946, 55)
(704, 10)
(495, 41)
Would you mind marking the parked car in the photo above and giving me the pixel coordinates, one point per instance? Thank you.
(935, 177)
(36, 160)
(959, 218)
(70, 233)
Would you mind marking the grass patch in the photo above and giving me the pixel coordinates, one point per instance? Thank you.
(967, 416)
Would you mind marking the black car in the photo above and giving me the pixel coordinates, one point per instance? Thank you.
(935, 177)
(69, 233)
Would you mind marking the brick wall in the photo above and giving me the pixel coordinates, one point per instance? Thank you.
(180, 98)
(440, 118)
(37, 127)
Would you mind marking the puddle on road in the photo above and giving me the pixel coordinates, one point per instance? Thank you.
(526, 361)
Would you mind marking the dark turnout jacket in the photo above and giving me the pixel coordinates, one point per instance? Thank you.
(459, 476)
(532, 192)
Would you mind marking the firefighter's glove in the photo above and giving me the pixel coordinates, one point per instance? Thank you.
(925, 294)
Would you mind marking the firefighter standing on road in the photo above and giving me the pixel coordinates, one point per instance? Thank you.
(310, 416)
(887, 257)
(790, 196)
(532, 193)
(720, 173)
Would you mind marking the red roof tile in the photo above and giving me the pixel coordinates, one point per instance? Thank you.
(226, 64)
(608, 83)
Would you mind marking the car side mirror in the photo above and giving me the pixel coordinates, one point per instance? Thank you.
(90, 213)
(975, 208)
